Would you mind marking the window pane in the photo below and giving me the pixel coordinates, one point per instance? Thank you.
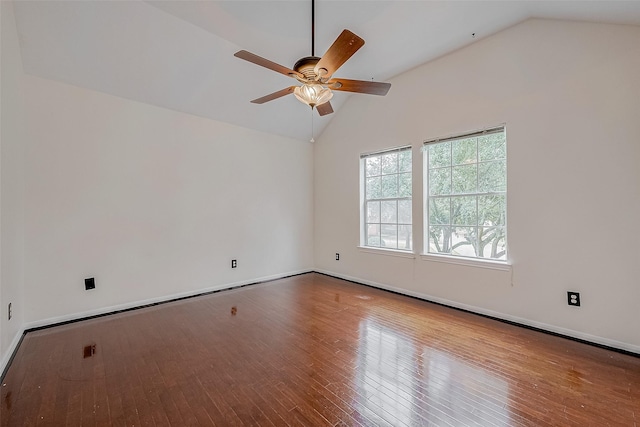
(405, 238)
(389, 163)
(464, 210)
(493, 243)
(465, 179)
(464, 151)
(440, 210)
(372, 166)
(404, 211)
(374, 188)
(389, 211)
(390, 235)
(463, 241)
(440, 155)
(439, 239)
(373, 211)
(491, 210)
(387, 197)
(440, 182)
(389, 186)
(404, 182)
(491, 147)
(404, 161)
(373, 235)
(466, 196)
(492, 176)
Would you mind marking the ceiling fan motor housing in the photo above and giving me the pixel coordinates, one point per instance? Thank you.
(306, 67)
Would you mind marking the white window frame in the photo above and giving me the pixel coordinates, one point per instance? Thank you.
(457, 258)
(363, 203)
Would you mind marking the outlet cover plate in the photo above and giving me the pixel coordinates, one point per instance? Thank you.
(573, 298)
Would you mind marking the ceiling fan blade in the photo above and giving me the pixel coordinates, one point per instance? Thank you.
(274, 95)
(324, 109)
(342, 49)
(258, 60)
(359, 86)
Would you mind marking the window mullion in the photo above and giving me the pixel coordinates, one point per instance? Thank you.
(450, 227)
(477, 222)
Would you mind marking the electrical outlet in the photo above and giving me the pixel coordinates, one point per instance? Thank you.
(88, 350)
(9, 310)
(337, 256)
(89, 283)
(573, 298)
(234, 263)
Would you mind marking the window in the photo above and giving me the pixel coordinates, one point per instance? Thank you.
(466, 195)
(386, 210)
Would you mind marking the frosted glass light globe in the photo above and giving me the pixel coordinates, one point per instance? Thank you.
(313, 94)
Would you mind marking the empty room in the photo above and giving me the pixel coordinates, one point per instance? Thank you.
(320, 213)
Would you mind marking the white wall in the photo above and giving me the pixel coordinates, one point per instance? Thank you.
(569, 94)
(152, 203)
(11, 186)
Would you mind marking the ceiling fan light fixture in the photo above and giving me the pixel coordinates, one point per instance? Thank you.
(313, 94)
(315, 74)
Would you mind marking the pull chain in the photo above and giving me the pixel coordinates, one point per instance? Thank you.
(312, 140)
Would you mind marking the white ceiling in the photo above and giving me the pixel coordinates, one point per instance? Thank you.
(179, 54)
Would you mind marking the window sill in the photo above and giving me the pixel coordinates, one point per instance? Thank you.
(471, 262)
(387, 252)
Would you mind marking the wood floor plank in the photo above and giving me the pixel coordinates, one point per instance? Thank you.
(313, 350)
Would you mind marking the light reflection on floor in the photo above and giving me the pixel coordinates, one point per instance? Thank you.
(401, 384)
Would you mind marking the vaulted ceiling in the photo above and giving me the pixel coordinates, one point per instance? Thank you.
(179, 54)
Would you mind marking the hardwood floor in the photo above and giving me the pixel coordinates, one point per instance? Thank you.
(313, 350)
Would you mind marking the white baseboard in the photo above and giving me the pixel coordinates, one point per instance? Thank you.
(141, 303)
(479, 310)
(6, 357)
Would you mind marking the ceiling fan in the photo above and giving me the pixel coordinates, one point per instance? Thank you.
(316, 74)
